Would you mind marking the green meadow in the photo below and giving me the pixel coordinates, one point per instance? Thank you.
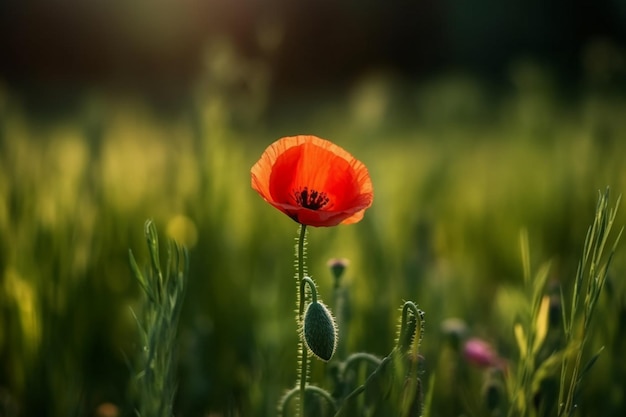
(474, 191)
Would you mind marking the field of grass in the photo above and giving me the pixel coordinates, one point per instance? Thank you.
(460, 179)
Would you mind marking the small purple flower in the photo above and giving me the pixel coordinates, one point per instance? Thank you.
(480, 353)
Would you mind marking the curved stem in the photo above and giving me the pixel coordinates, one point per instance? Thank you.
(405, 309)
(419, 316)
(358, 390)
(284, 401)
(312, 389)
(304, 360)
(355, 358)
(413, 350)
(303, 283)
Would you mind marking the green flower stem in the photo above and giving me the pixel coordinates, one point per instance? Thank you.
(311, 284)
(357, 358)
(311, 389)
(374, 376)
(304, 359)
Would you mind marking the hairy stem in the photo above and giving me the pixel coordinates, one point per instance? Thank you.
(302, 299)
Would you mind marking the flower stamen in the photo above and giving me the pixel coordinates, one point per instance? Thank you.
(312, 199)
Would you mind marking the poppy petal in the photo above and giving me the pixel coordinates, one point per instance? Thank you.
(313, 181)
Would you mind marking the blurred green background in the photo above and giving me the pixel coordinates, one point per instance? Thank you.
(475, 121)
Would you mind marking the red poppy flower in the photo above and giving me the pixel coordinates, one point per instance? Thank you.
(313, 181)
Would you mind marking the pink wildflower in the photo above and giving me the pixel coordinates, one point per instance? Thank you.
(480, 353)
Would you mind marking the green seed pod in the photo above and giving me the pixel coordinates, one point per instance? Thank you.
(320, 331)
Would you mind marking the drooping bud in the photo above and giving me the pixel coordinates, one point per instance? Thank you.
(411, 328)
(406, 339)
(320, 331)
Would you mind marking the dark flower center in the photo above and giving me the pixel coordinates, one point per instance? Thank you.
(311, 199)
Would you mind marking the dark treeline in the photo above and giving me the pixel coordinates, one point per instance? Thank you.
(306, 44)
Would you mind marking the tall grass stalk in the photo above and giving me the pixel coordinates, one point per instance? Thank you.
(530, 333)
(591, 277)
(546, 365)
(163, 292)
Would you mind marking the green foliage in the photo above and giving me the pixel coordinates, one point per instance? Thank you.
(155, 382)
(591, 278)
(393, 388)
(452, 192)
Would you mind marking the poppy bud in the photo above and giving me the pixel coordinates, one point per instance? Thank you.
(337, 267)
(320, 331)
(406, 339)
(455, 331)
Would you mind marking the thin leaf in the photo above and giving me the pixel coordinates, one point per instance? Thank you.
(520, 337)
(139, 276)
(590, 363)
(541, 324)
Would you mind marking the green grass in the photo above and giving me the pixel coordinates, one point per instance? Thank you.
(455, 183)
